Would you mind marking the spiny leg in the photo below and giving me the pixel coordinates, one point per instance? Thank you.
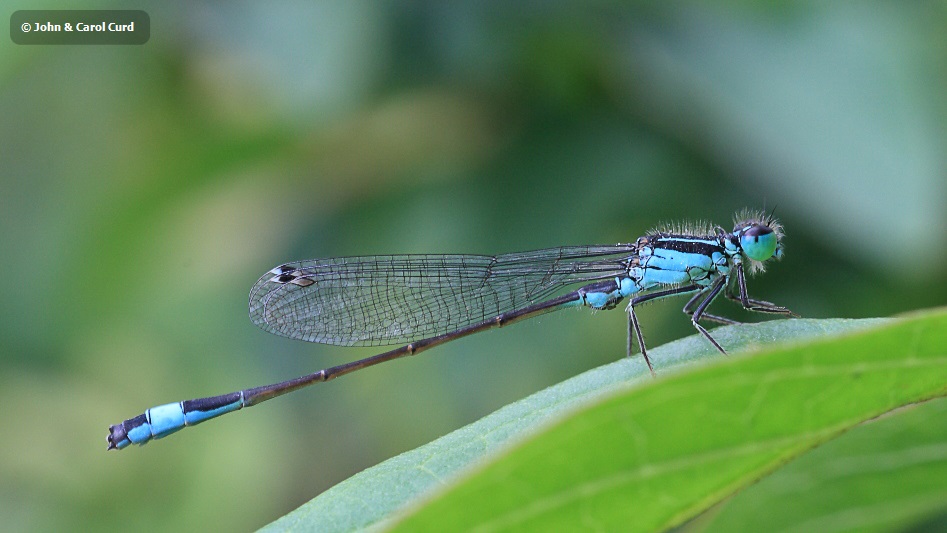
(633, 318)
(761, 306)
(688, 310)
(633, 324)
(752, 304)
(711, 293)
(629, 345)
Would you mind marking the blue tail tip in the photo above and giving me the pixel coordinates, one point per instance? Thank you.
(118, 438)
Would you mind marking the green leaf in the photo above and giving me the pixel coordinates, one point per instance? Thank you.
(885, 475)
(628, 452)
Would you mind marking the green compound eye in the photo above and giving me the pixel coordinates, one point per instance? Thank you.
(758, 242)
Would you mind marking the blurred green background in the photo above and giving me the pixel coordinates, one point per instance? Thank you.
(144, 189)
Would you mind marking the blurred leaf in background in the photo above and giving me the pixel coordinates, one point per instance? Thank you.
(145, 188)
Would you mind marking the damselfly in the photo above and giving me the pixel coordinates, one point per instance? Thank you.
(427, 300)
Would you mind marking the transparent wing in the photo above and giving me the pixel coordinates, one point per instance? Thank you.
(391, 299)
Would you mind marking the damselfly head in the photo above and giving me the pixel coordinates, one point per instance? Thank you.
(760, 236)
